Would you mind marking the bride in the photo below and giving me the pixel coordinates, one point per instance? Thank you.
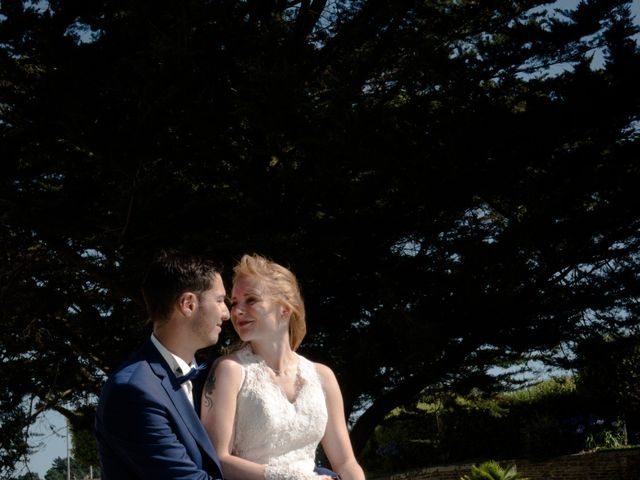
(284, 405)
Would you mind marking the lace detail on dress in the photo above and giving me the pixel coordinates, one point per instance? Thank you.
(269, 429)
(283, 472)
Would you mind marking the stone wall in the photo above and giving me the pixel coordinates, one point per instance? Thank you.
(603, 465)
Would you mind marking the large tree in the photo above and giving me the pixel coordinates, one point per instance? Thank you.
(452, 181)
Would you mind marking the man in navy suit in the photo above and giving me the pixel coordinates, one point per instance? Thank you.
(146, 425)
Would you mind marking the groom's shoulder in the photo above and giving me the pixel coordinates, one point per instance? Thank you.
(135, 368)
(131, 370)
(131, 380)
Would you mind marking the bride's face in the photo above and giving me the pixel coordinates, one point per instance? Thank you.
(254, 313)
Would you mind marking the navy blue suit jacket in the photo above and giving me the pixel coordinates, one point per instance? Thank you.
(147, 429)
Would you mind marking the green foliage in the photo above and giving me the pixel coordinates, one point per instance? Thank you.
(543, 435)
(404, 440)
(491, 470)
(546, 415)
(542, 420)
(609, 378)
(606, 436)
(607, 439)
(84, 446)
(85, 449)
(544, 391)
(442, 429)
(13, 417)
(58, 470)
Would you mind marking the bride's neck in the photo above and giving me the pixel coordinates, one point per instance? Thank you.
(278, 356)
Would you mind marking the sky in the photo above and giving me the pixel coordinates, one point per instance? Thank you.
(50, 429)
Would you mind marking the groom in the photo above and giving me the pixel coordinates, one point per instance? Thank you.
(146, 425)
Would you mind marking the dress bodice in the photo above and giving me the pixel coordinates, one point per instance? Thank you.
(270, 429)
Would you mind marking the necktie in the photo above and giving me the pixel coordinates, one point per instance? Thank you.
(193, 373)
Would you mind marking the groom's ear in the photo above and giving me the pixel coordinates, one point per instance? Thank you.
(187, 303)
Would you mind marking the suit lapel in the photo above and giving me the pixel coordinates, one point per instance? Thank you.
(179, 399)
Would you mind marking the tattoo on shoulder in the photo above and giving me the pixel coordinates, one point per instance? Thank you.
(209, 387)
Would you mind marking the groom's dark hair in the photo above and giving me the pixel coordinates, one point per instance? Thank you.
(172, 273)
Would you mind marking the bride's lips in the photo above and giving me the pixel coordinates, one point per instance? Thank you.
(243, 323)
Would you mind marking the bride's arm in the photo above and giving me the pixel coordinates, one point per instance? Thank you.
(218, 410)
(336, 443)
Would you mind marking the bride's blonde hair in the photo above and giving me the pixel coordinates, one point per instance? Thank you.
(281, 284)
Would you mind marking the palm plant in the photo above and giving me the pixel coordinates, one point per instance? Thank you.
(491, 470)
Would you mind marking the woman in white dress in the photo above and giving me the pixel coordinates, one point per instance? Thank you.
(265, 407)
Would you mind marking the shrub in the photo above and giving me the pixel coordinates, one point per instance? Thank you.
(491, 470)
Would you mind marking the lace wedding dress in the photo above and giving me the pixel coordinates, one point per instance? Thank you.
(270, 429)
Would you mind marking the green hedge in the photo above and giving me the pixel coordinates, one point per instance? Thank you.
(546, 420)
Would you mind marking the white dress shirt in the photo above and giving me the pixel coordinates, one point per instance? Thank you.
(178, 366)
